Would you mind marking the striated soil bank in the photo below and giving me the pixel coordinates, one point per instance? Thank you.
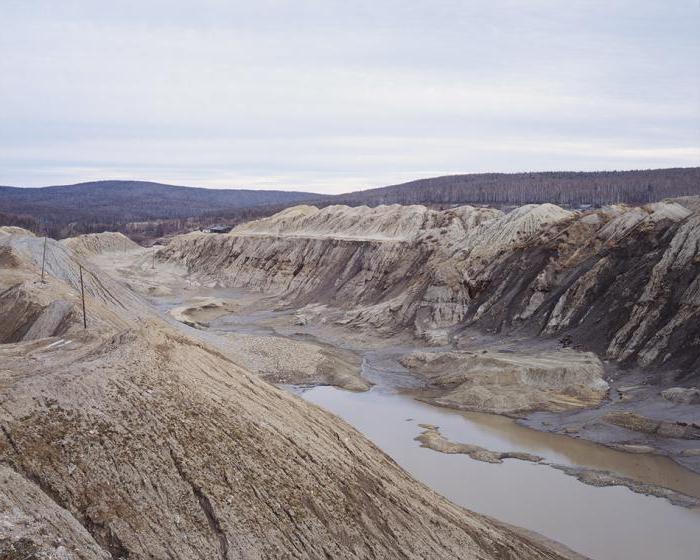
(132, 439)
(621, 283)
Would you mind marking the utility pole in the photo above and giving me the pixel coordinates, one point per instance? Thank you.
(43, 261)
(82, 293)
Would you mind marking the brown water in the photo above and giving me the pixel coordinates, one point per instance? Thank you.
(653, 469)
(610, 523)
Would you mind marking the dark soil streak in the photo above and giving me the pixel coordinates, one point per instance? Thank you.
(205, 505)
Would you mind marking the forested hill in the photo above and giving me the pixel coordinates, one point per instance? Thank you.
(120, 202)
(146, 210)
(564, 188)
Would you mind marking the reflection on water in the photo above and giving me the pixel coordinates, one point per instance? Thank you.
(604, 523)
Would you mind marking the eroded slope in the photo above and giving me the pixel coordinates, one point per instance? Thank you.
(133, 440)
(621, 281)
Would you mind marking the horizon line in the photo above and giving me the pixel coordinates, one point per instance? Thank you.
(303, 190)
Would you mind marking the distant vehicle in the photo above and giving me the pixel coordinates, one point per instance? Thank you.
(217, 229)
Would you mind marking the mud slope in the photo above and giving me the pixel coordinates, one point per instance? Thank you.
(91, 244)
(621, 281)
(132, 440)
(32, 309)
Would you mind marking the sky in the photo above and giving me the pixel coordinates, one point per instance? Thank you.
(335, 96)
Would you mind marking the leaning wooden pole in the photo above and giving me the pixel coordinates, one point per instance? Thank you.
(82, 293)
(43, 261)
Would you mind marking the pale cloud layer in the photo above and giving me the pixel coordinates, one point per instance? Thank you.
(336, 96)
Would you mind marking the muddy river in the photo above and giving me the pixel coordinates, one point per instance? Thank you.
(604, 523)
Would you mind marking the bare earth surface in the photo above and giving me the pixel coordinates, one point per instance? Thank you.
(133, 439)
(520, 373)
(620, 285)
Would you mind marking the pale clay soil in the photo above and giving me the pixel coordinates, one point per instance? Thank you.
(490, 376)
(619, 284)
(533, 379)
(135, 439)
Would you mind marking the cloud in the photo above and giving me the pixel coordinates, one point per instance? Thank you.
(336, 96)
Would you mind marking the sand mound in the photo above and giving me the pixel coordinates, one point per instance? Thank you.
(14, 230)
(667, 211)
(32, 309)
(682, 395)
(287, 361)
(638, 423)
(389, 223)
(512, 383)
(692, 203)
(482, 231)
(98, 243)
(625, 220)
(515, 227)
(199, 310)
(395, 222)
(28, 317)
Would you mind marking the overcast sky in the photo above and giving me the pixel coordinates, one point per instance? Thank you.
(335, 96)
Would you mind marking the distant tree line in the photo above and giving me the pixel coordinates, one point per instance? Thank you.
(139, 231)
(146, 211)
(563, 188)
(139, 209)
(20, 220)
